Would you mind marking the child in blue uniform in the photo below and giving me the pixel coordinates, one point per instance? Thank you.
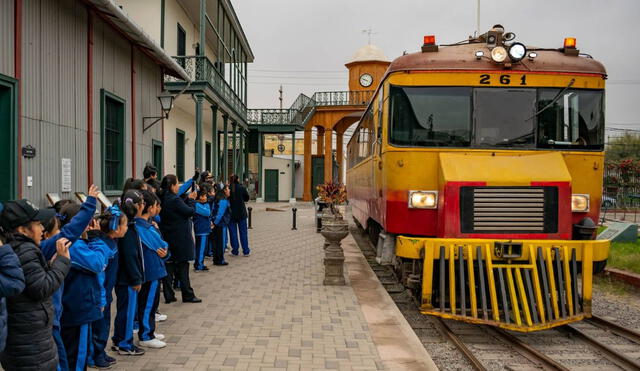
(83, 293)
(113, 225)
(221, 218)
(202, 226)
(130, 277)
(59, 226)
(154, 251)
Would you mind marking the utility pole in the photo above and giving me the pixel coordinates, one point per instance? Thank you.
(478, 19)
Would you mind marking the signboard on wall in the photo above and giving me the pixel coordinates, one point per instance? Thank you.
(66, 175)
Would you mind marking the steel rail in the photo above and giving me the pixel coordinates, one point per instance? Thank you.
(602, 323)
(529, 352)
(612, 355)
(455, 339)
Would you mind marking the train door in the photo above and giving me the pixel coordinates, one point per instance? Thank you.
(377, 157)
(8, 127)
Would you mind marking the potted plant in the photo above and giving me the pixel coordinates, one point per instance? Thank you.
(334, 229)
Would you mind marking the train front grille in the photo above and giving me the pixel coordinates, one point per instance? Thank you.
(503, 210)
(543, 291)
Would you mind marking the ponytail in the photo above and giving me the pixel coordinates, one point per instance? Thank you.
(130, 201)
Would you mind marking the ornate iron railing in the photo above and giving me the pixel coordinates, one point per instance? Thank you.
(342, 98)
(269, 116)
(201, 69)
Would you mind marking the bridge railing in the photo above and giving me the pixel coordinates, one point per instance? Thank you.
(201, 69)
(342, 98)
(269, 116)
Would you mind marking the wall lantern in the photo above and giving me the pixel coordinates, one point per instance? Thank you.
(166, 103)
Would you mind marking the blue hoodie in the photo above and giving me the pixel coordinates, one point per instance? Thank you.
(154, 267)
(84, 292)
(202, 219)
(71, 231)
(223, 213)
(11, 283)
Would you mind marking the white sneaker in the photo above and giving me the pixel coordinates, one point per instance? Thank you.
(153, 343)
(135, 330)
(161, 317)
(159, 336)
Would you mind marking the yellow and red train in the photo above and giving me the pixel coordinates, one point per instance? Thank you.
(477, 170)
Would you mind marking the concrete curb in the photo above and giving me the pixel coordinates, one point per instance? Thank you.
(396, 342)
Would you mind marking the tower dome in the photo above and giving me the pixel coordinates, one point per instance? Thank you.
(368, 53)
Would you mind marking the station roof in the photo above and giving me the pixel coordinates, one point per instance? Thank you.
(368, 53)
(462, 57)
(111, 13)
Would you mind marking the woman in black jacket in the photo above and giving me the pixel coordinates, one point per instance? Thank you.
(238, 224)
(30, 344)
(176, 228)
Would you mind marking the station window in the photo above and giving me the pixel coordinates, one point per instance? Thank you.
(113, 138)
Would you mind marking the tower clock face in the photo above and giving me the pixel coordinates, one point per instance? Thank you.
(366, 80)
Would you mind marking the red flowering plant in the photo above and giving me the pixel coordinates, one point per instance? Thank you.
(332, 194)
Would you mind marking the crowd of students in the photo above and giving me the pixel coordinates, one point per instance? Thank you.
(60, 266)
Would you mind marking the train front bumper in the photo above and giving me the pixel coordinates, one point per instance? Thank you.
(521, 285)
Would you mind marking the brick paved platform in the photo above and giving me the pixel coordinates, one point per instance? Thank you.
(268, 311)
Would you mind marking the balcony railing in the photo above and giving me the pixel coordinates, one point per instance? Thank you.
(303, 107)
(200, 69)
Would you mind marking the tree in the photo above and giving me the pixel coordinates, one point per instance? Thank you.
(623, 147)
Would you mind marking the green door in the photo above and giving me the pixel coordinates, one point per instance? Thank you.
(8, 125)
(317, 174)
(271, 185)
(158, 157)
(180, 154)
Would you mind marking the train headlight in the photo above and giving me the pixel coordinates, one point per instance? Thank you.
(498, 54)
(423, 199)
(517, 51)
(579, 203)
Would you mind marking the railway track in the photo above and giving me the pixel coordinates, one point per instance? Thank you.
(591, 344)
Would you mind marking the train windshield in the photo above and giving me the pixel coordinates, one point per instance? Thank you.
(497, 117)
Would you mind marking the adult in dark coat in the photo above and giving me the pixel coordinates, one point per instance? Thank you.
(11, 284)
(238, 224)
(30, 344)
(176, 229)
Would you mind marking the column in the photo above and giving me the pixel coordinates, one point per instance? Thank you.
(198, 98)
(225, 148)
(241, 156)
(203, 27)
(214, 141)
(328, 156)
(320, 141)
(260, 145)
(306, 193)
(339, 138)
(234, 148)
(293, 167)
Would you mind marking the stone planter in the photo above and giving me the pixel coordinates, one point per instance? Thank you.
(334, 231)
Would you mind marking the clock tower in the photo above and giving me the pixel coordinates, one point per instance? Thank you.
(366, 68)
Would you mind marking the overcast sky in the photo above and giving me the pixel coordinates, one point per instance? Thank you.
(304, 44)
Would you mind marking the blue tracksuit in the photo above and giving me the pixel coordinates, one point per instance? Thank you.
(221, 220)
(130, 273)
(83, 298)
(11, 284)
(201, 229)
(71, 231)
(100, 328)
(154, 271)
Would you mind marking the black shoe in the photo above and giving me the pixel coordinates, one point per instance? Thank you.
(205, 268)
(135, 351)
(192, 300)
(223, 263)
(111, 360)
(115, 348)
(168, 301)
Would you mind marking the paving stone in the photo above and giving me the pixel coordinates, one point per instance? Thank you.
(269, 311)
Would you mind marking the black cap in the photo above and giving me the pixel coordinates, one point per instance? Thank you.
(21, 212)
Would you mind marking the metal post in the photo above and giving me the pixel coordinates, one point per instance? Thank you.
(294, 218)
(198, 98)
(225, 148)
(250, 209)
(240, 171)
(214, 141)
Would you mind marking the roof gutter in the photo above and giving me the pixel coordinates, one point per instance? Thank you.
(138, 36)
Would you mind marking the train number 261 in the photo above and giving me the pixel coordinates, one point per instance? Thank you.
(503, 79)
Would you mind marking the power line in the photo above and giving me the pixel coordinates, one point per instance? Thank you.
(298, 71)
(299, 78)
